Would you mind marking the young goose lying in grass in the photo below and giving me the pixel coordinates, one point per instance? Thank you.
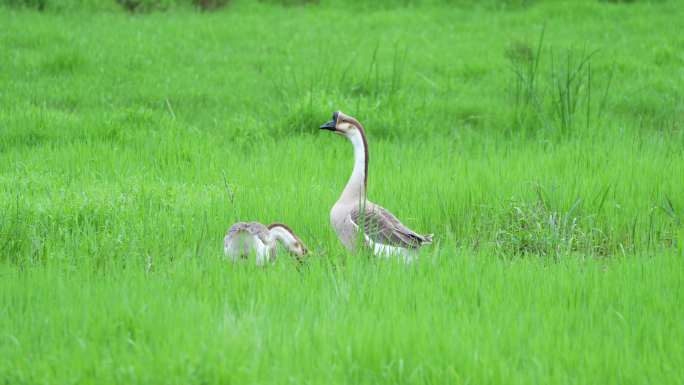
(244, 238)
(352, 212)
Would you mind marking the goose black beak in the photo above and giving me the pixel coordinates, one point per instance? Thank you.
(329, 126)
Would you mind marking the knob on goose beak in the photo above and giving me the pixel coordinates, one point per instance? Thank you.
(331, 125)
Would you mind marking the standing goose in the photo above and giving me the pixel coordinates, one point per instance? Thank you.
(244, 238)
(352, 212)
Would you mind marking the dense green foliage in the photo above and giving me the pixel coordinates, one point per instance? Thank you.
(540, 141)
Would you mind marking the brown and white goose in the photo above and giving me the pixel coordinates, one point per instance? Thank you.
(245, 238)
(354, 213)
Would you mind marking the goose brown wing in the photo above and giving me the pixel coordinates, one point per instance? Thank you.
(253, 228)
(382, 227)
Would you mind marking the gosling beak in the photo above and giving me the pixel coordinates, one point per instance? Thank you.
(329, 126)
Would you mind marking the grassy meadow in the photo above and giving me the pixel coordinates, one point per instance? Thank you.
(540, 141)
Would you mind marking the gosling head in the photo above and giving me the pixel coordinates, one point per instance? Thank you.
(299, 249)
(291, 241)
(343, 124)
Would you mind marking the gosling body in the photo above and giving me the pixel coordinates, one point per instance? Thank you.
(245, 238)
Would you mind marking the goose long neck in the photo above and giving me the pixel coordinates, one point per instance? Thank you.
(284, 236)
(355, 190)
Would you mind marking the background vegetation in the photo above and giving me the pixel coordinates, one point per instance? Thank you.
(540, 141)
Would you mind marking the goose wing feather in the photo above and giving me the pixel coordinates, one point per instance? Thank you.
(382, 227)
(253, 228)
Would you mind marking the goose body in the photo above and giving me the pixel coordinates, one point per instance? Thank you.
(245, 238)
(356, 218)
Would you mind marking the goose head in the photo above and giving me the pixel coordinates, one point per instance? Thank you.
(343, 124)
(298, 249)
(292, 243)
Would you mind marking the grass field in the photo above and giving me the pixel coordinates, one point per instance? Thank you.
(541, 143)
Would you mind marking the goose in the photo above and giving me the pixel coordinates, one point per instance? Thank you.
(243, 238)
(353, 213)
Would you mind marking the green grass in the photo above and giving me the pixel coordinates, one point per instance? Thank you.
(541, 142)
